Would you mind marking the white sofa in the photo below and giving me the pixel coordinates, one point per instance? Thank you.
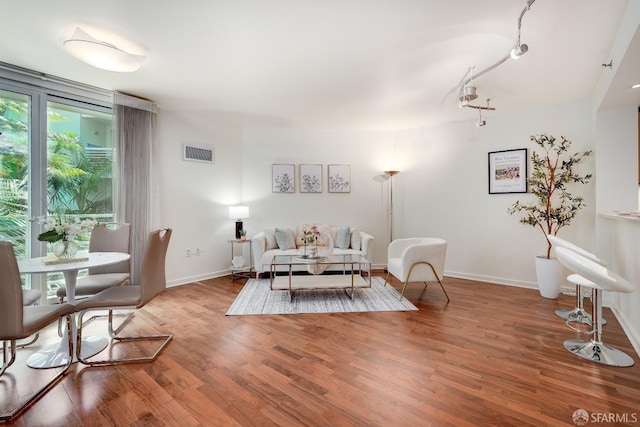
(346, 241)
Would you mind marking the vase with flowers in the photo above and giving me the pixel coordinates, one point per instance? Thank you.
(310, 238)
(62, 232)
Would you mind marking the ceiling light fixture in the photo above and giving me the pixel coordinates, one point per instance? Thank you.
(480, 121)
(520, 49)
(469, 93)
(101, 54)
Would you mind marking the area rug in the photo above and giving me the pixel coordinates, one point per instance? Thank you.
(256, 298)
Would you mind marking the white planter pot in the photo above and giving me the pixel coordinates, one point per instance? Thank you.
(549, 275)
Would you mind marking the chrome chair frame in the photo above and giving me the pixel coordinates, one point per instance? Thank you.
(153, 282)
(599, 278)
(578, 314)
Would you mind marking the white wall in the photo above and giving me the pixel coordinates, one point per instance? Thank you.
(444, 192)
(368, 153)
(440, 191)
(195, 196)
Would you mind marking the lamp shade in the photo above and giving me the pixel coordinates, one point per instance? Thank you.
(238, 212)
(101, 54)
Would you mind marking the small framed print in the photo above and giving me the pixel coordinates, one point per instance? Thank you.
(311, 178)
(339, 178)
(508, 171)
(283, 178)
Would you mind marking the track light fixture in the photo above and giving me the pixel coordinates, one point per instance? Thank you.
(469, 93)
(518, 51)
(480, 121)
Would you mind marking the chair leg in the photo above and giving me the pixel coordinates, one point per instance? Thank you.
(8, 346)
(404, 286)
(386, 279)
(594, 349)
(22, 407)
(444, 290)
(109, 317)
(31, 341)
(425, 283)
(578, 314)
(165, 338)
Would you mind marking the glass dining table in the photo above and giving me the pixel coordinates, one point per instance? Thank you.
(57, 354)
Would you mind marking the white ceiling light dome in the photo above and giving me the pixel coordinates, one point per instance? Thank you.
(102, 54)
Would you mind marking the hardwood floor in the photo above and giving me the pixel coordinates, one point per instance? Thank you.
(492, 356)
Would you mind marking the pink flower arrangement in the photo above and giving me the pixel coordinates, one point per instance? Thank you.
(311, 235)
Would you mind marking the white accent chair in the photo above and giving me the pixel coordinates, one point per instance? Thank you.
(599, 278)
(417, 259)
(578, 314)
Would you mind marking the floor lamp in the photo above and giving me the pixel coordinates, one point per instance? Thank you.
(391, 174)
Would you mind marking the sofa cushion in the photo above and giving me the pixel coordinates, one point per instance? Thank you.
(355, 239)
(284, 238)
(270, 238)
(343, 237)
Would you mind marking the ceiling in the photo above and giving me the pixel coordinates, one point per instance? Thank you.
(341, 64)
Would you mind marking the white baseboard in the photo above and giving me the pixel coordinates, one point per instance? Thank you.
(191, 279)
(628, 329)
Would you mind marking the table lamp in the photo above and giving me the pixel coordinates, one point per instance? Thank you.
(238, 213)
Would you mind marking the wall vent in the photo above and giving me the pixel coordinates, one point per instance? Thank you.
(195, 153)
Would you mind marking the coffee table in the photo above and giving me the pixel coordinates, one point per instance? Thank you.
(353, 268)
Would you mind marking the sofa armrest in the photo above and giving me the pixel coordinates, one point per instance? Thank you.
(366, 244)
(258, 247)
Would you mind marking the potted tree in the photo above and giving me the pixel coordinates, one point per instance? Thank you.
(553, 206)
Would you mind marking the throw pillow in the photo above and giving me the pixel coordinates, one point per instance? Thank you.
(285, 239)
(343, 237)
(270, 237)
(355, 239)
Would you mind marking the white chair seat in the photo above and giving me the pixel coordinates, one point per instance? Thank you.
(94, 283)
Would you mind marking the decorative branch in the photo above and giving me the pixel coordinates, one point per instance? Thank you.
(554, 207)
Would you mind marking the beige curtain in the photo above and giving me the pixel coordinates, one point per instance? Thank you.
(137, 204)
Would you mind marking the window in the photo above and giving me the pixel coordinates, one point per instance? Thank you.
(56, 156)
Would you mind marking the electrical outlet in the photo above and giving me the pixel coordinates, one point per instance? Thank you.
(188, 254)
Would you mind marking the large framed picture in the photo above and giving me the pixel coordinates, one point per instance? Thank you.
(508, 171)
(339, 178)
(283, 178)
(311, 178)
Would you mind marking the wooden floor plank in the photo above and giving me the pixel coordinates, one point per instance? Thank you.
(493, 355)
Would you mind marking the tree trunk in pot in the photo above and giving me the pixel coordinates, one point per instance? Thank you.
(549, 275)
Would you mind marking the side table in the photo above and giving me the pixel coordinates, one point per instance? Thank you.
(245, 270)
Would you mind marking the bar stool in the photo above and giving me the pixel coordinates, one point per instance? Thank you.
(577, 314)
(599, 279)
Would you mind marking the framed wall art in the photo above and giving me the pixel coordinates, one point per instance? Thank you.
(339, 178)
(508, 171)
(283, 178)
(311, 178)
